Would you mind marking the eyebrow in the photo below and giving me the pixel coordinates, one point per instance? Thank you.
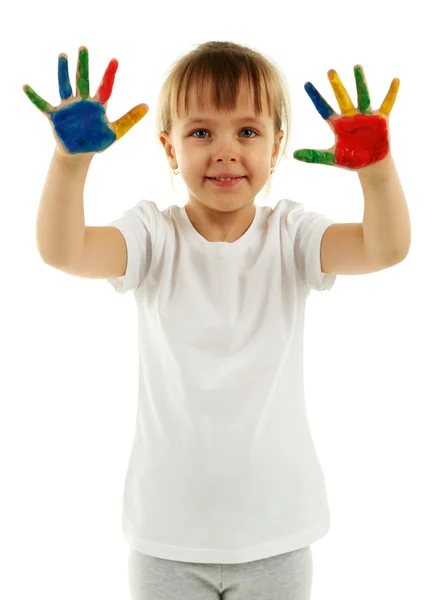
(200, 120)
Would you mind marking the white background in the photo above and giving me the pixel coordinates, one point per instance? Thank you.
(375, 356)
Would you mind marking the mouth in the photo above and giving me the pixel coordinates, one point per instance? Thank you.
(218, 178)
(222, 183)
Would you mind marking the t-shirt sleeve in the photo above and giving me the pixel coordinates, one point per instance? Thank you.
(309, 229)
(138, 225)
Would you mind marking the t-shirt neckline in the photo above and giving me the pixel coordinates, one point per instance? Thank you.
(219, 248)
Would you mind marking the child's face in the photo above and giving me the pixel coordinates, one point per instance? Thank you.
(228, 142)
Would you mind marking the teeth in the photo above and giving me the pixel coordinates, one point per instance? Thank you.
(224, 179)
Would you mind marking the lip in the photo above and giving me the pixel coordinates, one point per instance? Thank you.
(227, 183)
(227, 175)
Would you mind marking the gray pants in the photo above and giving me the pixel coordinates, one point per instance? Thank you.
(283, 577)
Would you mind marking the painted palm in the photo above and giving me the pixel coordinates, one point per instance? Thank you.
(362, 136)
(80, 122)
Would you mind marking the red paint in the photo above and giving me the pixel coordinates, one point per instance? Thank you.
(106, 87)
(362, 140)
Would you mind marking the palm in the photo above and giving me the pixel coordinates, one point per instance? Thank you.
(80, 122)
(83, 127)
(362, 136)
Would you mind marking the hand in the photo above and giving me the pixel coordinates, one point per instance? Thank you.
(80, 125)
(361, 137)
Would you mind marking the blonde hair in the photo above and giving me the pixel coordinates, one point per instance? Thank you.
(225, 64)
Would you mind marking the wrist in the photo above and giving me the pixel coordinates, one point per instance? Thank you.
(380, 170)
(73, 160)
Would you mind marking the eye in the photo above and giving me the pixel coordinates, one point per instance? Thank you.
(245, 129)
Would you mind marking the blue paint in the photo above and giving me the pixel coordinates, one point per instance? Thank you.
(65, 90)
(322, 107)
(82, 127)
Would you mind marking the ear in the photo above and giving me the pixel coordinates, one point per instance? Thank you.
(167, 144)
(279, 138)
(164, 138)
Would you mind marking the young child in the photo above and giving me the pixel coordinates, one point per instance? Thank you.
(224, 493)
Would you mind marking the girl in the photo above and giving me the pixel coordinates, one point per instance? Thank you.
(224, 493)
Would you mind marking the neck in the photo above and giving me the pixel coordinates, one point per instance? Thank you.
(219, 226)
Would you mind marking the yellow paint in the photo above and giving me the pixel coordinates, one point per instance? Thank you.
(389, 100)
(344, 100)
(126, 122)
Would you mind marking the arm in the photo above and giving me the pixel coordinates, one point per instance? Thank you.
(362, 144)
(383, 239)
(386, 222)
(60, 227)
(62, 238)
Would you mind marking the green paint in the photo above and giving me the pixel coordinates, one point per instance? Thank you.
(315, 156)
(82, 77)
(363, 93)
(37, 100)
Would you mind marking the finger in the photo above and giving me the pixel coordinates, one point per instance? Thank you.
(322, 107)
(315, 156)
(127, 121)
(65, 90)
(106, 86)
(344, 100)
(390, 99)
(82, 80)
(37, 100)
(363, 91)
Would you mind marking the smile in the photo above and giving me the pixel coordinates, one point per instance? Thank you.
(223, 183)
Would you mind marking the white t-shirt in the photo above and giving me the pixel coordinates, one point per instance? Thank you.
(223, 467)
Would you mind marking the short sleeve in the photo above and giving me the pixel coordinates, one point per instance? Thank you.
(138, 225)
(309, 228)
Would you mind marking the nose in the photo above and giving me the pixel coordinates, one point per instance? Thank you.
(225, 149)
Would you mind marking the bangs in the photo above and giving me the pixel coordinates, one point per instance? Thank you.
(217, 82)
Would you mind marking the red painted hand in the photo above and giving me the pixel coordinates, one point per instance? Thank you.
(362, 137)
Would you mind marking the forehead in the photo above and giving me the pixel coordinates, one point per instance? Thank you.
(201, 104)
